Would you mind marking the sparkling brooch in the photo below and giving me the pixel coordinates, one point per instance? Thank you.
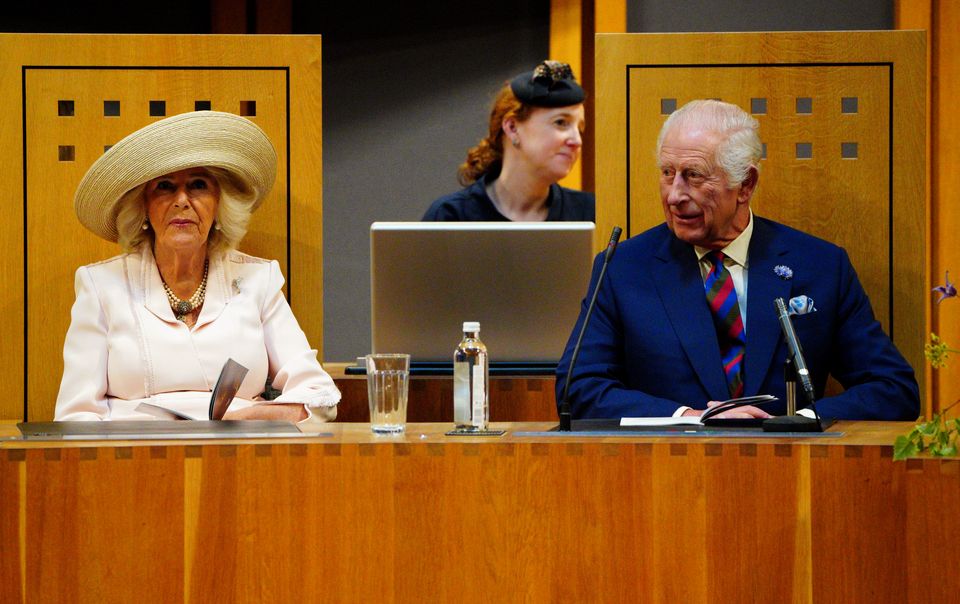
(783, 271)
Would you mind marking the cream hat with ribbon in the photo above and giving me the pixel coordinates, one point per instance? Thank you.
(189, 140)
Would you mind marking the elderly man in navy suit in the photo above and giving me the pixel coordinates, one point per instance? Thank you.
(685, 316)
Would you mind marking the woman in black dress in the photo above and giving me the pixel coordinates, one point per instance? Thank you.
(534, 140)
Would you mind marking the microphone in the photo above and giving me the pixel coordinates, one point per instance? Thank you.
(794, 423)
(566, 419)
(793, 348)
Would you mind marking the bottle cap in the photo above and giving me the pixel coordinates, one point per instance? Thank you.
(471, 326)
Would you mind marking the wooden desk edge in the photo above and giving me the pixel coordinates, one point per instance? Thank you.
(858, 433)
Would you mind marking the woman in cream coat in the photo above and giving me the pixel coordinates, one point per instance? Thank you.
(156, 323)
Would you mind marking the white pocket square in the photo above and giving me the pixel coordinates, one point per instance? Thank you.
(801, 305)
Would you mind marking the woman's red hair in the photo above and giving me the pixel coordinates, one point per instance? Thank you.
(489, 151)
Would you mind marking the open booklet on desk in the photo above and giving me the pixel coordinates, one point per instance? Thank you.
(709, 417)
(231, 376)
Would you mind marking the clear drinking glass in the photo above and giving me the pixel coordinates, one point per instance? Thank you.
(388, 376)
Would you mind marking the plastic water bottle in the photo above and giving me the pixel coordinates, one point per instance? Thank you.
(471, 381)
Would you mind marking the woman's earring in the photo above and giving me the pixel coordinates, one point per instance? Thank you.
(146, 226)
(515, 141)
(216, 226)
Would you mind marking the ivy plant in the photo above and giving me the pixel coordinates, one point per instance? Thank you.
(938, 436)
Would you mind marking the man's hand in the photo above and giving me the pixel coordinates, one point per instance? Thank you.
(291, 412)
(746, 411)
(740, 412)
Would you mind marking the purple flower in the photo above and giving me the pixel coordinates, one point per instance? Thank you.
(783, 271)
(947, 290)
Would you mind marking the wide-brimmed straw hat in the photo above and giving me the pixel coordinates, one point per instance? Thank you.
(189, 140)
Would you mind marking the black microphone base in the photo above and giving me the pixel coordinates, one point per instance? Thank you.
(792, 423)
(566, 422)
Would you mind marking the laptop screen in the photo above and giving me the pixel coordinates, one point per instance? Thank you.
(524, 283)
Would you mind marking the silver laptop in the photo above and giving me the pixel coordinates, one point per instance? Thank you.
(523, 282)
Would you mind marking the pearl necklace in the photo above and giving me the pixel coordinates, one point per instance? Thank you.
(182, 308)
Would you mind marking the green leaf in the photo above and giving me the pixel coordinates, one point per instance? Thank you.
(928, 428)
(903, 448)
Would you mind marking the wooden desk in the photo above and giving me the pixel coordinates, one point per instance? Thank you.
(425, 517)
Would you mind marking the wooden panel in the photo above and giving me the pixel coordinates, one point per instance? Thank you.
(566, 42)
(866, 480)
(945, 221)
(942, 21)
(838, 199)
(12, 561)
(787, 192)
(740, 478)
(573, 24)
(918, 14)
(610, 16)
(931, 514)
(280, 73)
(520, 399)
(357, 517)
(130, 502)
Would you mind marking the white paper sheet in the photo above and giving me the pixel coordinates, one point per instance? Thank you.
(660, 421)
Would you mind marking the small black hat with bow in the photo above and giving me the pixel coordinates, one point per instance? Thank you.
(550, 84)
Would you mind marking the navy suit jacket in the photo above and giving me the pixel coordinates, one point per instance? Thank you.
(651, 345)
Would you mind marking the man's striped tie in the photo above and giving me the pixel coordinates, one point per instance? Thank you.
(722, 298)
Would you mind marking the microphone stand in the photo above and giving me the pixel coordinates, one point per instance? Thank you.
(566, 419)
(796, 366)
(790, 381)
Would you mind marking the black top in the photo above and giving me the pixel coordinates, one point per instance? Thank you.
(472, 204)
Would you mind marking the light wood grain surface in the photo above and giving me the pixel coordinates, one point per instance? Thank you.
(425, 517)
(859, 433)
(941, 20)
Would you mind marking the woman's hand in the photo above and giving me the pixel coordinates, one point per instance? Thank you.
(291, 412)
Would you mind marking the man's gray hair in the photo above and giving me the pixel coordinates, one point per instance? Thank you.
(739, 149)
(233, 216)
